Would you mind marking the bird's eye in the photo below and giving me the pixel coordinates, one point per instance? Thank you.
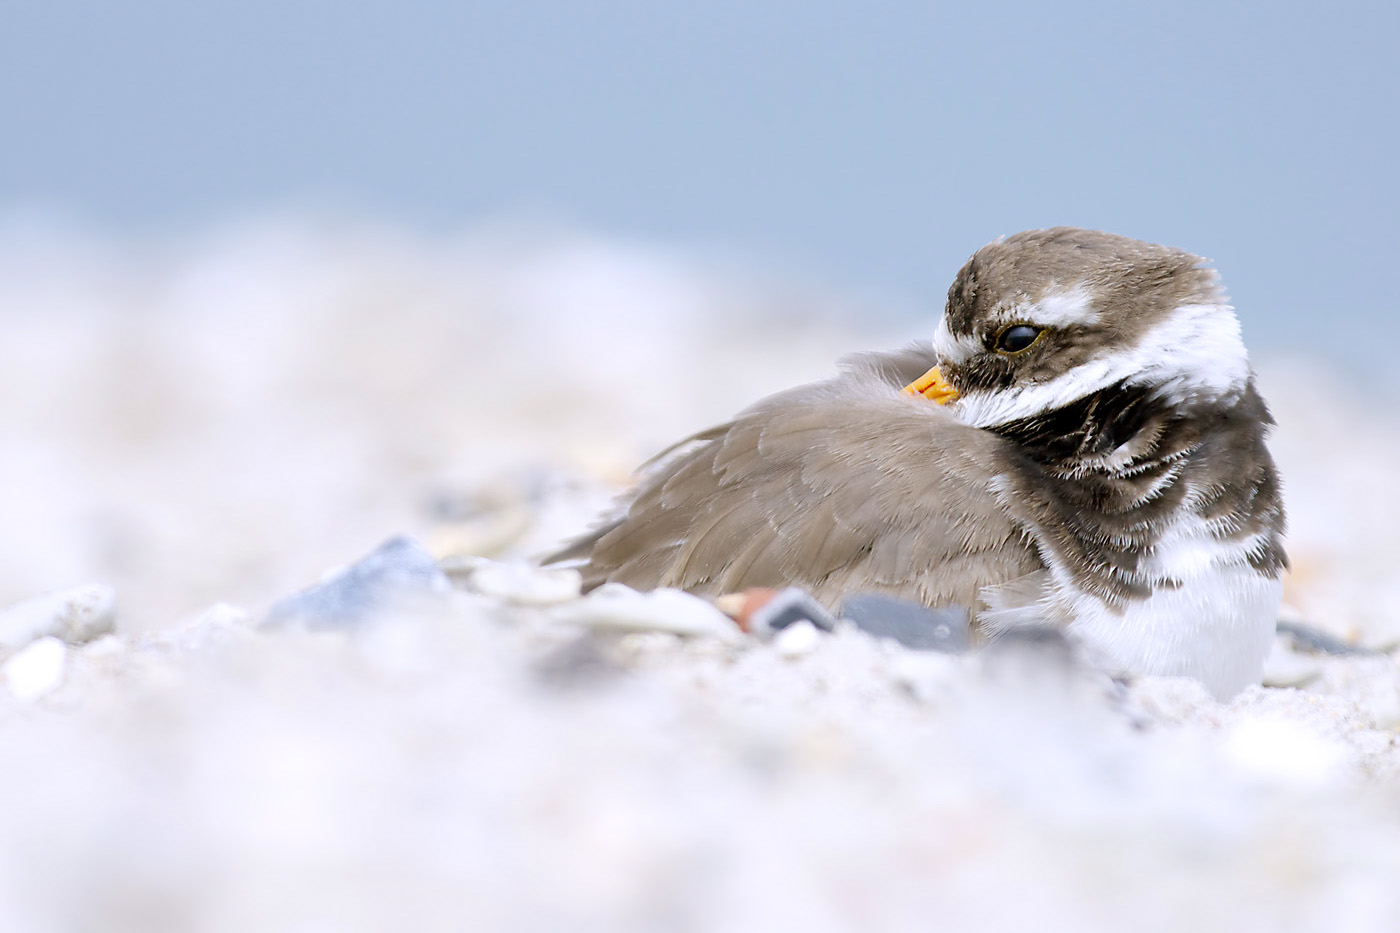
(1017, 337)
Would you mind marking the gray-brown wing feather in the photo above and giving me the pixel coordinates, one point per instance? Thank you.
(848, 485)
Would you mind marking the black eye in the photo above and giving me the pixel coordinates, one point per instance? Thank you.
(1016, 338)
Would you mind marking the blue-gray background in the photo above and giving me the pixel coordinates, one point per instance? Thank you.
(872, 145)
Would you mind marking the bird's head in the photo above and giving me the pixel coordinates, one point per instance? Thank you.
(1041, 319)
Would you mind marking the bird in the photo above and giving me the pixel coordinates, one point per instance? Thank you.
(1081, 445)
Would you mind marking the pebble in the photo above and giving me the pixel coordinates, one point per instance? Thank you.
(796, 640)
(36, 670)
(400, 575)
(74, 616)
(764, 611)
(912, 624)
(790, 607)
(621, 608)
(525, 584)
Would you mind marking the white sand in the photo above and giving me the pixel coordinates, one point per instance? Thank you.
(221, 421)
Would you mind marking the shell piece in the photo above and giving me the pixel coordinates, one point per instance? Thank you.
(74, 616)
(796, 640)
(621, 608)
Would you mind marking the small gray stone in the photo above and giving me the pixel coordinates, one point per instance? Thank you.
(399, 575)
(911, 624)
(789, 607)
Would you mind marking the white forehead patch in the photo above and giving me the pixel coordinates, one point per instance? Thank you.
(1196, 352)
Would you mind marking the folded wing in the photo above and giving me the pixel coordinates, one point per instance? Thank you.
(843, 486)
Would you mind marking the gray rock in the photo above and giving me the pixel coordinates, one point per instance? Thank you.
(789, 607)
(911, 624)
(400, 575)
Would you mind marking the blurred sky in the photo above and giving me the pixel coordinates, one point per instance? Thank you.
(871, 145)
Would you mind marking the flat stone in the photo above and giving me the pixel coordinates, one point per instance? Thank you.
(911, 624)
(400, 575)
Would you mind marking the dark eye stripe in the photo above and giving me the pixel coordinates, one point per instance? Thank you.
(1016, 338)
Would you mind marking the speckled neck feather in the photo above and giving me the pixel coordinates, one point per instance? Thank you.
(1104, 478)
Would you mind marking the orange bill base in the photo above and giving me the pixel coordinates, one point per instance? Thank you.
(932, 386)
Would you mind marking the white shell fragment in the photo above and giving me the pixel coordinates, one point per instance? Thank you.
(37, 670)
(798, 639)
(621, 608)
(524, 584)
(74, 616)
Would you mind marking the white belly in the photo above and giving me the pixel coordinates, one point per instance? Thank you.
(1211, 615)
(1217, 627)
